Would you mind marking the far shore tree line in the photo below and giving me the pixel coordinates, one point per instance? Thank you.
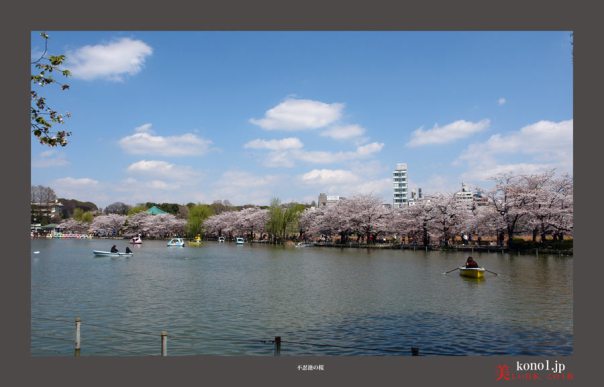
(536, 207)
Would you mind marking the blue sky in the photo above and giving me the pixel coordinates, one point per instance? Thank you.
(247, 116)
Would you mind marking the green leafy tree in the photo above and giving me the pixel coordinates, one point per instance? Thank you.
(44, 118)
(69, 206)
(197, 215)
(283, 219)
(136, 209)
(274, 225)
(87, 217)
(291, 217)
(82, 216)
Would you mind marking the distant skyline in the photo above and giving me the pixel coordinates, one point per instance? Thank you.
(246, 116)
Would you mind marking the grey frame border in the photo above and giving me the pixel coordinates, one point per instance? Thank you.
(21, 369)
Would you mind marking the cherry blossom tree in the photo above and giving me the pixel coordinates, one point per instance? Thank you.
(551, 212)
(221, 224)
(336, 220)
(311, 223)
(419, 219)
(163, 226)
(75, 226)
(108, 225)
(366, 215)
(512, 199)
(448, 217)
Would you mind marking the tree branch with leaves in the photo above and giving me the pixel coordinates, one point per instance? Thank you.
(44, 119)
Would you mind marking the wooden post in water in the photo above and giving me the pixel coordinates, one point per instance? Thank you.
(537, 251)
(76, 351)
(164, 343)
(414, 351)
(277, 345)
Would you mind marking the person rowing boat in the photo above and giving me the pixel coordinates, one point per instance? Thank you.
(471, 263)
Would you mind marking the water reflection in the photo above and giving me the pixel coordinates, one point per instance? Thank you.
(222, 299)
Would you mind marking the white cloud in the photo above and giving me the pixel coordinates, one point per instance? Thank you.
(378, 187)
(144, 128)
(346, 183)
(299, 114)
(448, 133)
(244, 188)
(162, 169)
(285, 152)
(319, 157)
(111, 61)
(366, 150)
(344, 132)
(79, 188)
(143, 142)
(133, 190)
(145, 166)
(542, 145)
(74, 182)
(501, 101)
(160, 184)
(436, 184)
(488, 172)
(159, 181)
(283, 159)
(329, 176)
(49, 159)
(276, 145)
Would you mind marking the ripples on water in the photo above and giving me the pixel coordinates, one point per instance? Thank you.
(222, 299)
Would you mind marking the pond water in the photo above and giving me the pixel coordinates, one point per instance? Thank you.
(224, 299)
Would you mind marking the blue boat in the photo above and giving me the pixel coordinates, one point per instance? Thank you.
(176, 242)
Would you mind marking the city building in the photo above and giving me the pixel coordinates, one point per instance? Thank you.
(480, 199)
(399, 185)
(416, 196)
(328, 200)
(471, 199)
(465, 196)
(45, 213)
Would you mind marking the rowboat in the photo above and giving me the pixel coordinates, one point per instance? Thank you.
(100, 253)
(178, 242)
(472, 272)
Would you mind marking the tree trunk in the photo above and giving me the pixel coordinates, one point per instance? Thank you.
(426, 237)
(500, 238)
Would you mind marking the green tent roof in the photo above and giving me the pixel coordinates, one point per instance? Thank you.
(155, 211)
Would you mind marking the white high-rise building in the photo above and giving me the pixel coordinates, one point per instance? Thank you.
(400, 185)
(465, 196)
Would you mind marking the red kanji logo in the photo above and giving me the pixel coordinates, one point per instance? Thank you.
(504, 372)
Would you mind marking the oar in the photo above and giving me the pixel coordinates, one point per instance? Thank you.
(491, 271)
(446, 272)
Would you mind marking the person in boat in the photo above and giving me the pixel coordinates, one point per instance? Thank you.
(114, 249)
(128, 251)
(471, 262)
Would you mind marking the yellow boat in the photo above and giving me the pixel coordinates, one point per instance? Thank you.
(472, 272)
(197, 241)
